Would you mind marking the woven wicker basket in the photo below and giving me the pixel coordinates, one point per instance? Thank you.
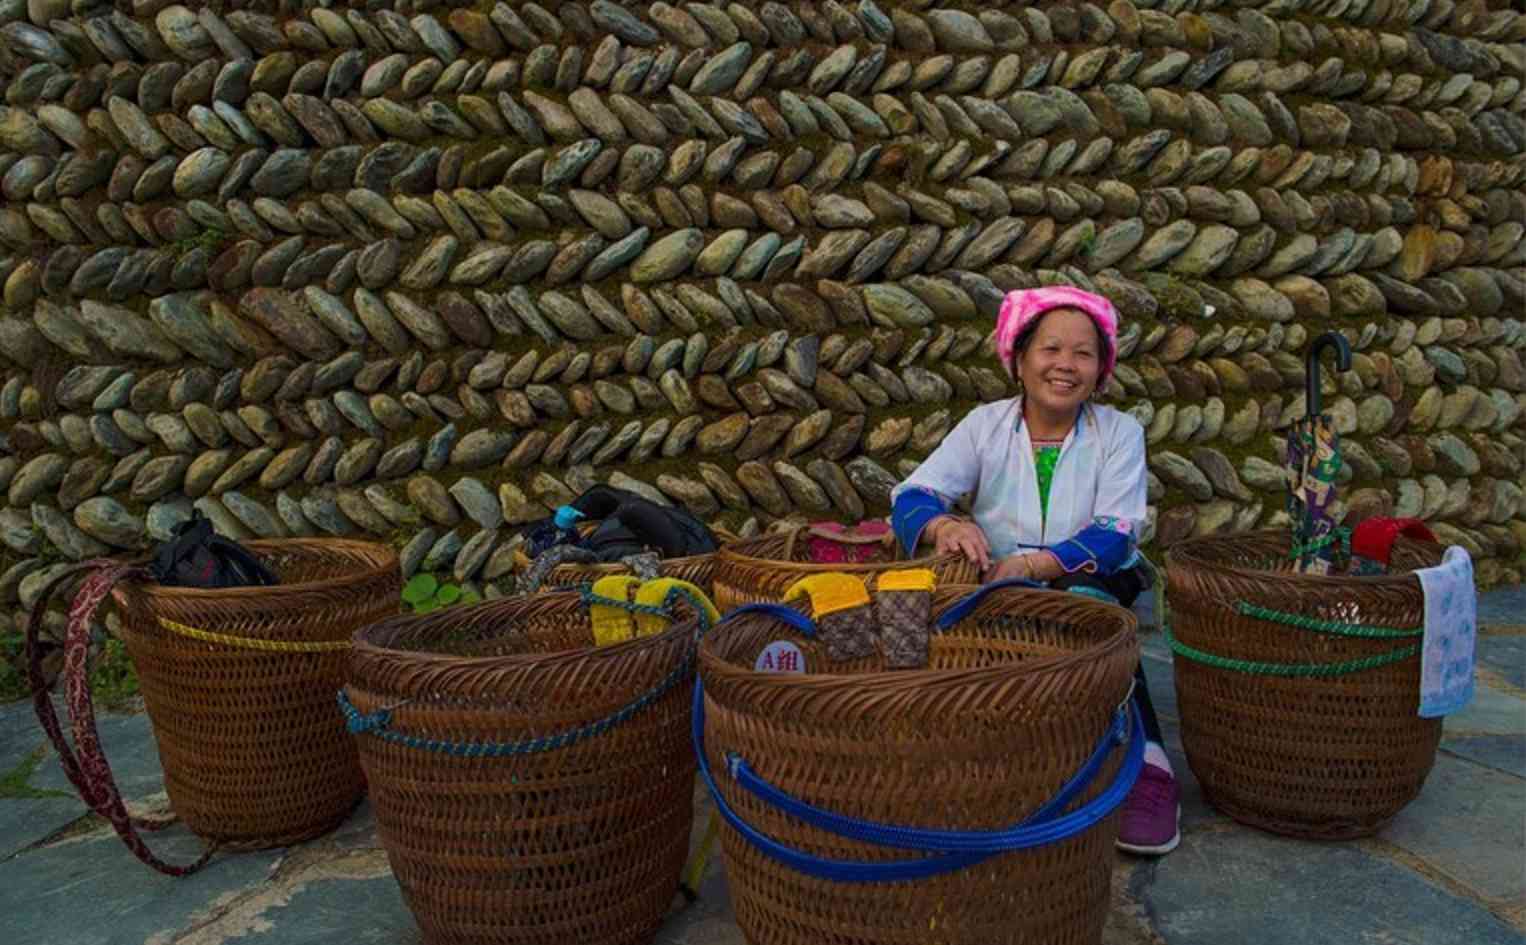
(698, 570)
(1320, 756)
(1013, 703)
(583, 843)
(760, 570)
(239, 685)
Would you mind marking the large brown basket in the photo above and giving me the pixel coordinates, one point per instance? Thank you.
(1317, 756)
(239, 685)
(760, 570)
(1013, 702)
(581, 843)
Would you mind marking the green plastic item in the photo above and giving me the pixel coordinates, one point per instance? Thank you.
(425, 594)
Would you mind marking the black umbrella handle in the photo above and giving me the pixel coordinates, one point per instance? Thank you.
(1330, 339)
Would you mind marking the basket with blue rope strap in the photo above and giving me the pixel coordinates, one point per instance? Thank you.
(528, 759)
(972, 801)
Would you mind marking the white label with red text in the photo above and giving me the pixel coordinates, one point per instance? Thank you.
(780, 656)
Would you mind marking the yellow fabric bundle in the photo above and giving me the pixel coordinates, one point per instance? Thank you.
(912, 579)
(614, 624)
(830, 593)
(655, 594)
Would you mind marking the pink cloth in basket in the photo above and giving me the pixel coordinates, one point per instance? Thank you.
(835, 543)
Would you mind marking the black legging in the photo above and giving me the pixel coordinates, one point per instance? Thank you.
(1125, 586)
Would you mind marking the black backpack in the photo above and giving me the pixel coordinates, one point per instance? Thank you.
(199, 557)
(630, 524)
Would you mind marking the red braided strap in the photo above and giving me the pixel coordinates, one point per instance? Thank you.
(88, 770)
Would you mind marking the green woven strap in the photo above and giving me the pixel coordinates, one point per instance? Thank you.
(1258, 668)
(1342, 535)
(1335, 627)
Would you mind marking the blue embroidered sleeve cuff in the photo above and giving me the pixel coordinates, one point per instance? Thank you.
(1074, 556)
(911, 513)
(1095, 549)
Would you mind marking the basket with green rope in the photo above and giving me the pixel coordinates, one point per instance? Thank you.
(1299, 693)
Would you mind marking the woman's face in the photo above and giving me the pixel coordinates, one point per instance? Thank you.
(1060, 366)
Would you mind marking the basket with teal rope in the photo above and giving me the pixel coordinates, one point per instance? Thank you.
(1299, 694)
(530, 784)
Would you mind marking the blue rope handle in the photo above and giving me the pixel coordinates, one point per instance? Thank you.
(957, 849)
(962, 607)
(378, 723)
(940, 841)
(789, 615)
(953, 615)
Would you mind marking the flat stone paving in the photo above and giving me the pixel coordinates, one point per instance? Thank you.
(1449, 870)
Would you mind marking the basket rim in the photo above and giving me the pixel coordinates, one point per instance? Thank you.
(889, 680)
(731, 554)
(522, 559)
(722, 536)
(362, 648)
(1198, 545)
(382, 558)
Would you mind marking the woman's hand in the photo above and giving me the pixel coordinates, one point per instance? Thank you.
(952, 535)
(1032, 566)
(1016, 566)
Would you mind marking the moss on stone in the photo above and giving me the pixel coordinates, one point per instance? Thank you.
(16, 783)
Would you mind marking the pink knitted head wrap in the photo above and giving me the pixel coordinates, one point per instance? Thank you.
(1022, 308)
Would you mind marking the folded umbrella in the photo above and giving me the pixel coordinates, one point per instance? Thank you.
(1313, 462)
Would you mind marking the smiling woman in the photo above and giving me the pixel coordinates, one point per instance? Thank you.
(1057, 486)
(1058, 482)
(1061, 362)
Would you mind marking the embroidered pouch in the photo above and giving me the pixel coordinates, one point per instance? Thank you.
(904, 604)
(843, 613)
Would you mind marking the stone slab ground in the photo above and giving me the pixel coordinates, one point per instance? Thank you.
(1449, 870)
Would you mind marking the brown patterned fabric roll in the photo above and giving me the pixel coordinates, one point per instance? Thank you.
(849, 634)
(904, 617)
(904, 605)
(844, 614)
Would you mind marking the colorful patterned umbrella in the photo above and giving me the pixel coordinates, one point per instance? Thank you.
(1313, 461)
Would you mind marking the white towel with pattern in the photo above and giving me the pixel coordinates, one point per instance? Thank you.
(1451, 632)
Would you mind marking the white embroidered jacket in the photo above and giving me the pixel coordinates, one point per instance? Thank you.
(1099, 482)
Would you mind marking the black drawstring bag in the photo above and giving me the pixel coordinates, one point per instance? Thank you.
(199, 557)
(630, 524)
(627, 525)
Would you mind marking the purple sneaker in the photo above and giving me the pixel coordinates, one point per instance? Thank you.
(1152, 814)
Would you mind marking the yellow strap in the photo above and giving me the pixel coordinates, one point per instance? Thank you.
(612, 624)
(694, 874)
(655, 593)
(911, 579)
(830, 593)
(250, 643)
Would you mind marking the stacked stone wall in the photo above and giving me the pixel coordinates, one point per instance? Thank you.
(423, 271)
